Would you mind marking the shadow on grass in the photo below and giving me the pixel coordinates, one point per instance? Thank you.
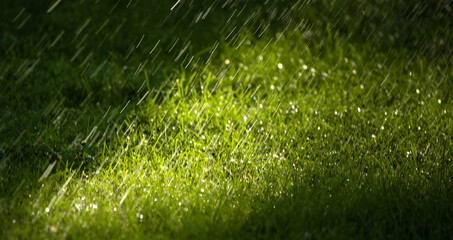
(396, 208)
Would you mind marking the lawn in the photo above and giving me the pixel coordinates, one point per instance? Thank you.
(226, 119)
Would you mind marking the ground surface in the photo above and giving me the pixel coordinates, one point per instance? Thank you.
(226, 119)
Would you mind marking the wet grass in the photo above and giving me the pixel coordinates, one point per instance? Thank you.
(214, 129)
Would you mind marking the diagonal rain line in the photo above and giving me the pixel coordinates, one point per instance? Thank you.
(60, 193)
(53, 6)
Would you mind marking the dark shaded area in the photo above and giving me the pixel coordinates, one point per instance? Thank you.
(371, 211)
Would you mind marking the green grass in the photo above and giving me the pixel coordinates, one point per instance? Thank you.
(321, 130)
